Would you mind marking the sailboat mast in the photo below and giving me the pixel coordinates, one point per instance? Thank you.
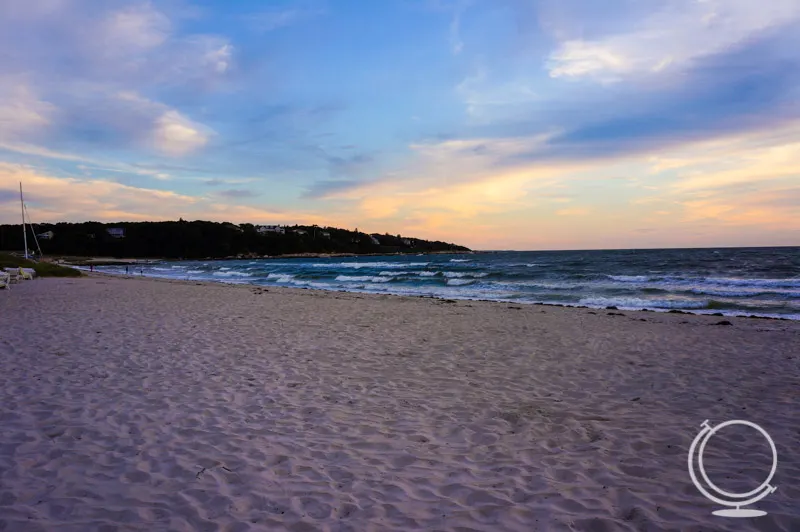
(22, 208)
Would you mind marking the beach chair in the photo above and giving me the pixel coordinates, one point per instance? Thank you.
(5, 280)
(27, 274)
(13, 275)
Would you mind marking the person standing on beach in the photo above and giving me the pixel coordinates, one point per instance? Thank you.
(91, 267)
(126, 270)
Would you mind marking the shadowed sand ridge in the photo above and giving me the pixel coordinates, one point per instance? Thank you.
(153, 405)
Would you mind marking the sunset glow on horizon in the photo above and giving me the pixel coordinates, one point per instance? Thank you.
(496, 124)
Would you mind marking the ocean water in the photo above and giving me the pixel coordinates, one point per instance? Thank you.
(733, 281)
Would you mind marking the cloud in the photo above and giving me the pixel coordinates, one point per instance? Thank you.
(176, 135)
(217, 182)
(128, 43)
(238, 193)
(8, 195)
(692, 116)
(729, 93)
(741, 180)
(488, 99)
(133, 29)
(273, 19)
(22, 112)
(706, 192)
(331, 187)
(671, 39)
(573, 211)
(53, 199)
(456, 43)
(81, 83)
(125, 117)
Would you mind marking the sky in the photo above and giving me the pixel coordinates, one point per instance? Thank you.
(496, 124)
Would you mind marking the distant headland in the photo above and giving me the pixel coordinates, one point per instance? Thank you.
(210, 240)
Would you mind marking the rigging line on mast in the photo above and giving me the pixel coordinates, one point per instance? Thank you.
(33, 230)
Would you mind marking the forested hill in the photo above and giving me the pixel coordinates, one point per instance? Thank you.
(201, 239)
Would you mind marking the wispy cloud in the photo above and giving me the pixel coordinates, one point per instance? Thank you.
(237, 193)
(73, 199)
(84, 78)
(456, 43)
(671, 39)
(22, 112)
(273, 19)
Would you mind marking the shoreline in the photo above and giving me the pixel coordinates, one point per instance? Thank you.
(238, 407)
(710, 313)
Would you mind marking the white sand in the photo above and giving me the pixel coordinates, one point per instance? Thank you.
(153, 405)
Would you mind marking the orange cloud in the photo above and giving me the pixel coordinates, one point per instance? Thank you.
(52, 199)
(740, 190)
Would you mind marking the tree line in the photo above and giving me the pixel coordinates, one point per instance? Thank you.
(202, 239)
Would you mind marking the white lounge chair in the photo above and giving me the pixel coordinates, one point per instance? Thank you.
(27, 274)
(13, 275)
(5, 280)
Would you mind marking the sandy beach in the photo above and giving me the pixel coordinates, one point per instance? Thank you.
(140, 404)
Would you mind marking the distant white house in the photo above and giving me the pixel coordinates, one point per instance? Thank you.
(300, 232)
(264, 229)
(375, 240)
(47, 235)
(324, 234)
(406, 242)
(116, 232)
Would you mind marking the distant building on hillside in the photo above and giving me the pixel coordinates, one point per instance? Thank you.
(47, 235)
(300, 232)
(264, 229)
(116, 232)
(374, 240)
(324, 234)
(406, 242)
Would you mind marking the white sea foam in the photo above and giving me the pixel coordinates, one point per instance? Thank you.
(427, 274)
(363, 278)
(460, 260)
(231, 274)
(315, 285)
(638, 303)
(744, 291)
(369, 264)
(195, 271)
(459, 282)
(778, 283)
(281, 277)
(538, 284)
(464, 274)
(630, 278)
